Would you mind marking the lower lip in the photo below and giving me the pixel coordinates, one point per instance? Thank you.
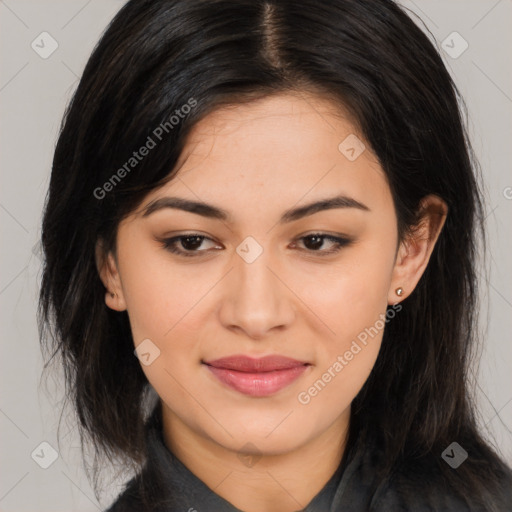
(258, 384)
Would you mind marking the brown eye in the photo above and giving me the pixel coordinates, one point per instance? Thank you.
(186, 245)
(316, 241)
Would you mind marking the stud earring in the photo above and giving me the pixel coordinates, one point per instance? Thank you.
(113, 294)
(399, 291)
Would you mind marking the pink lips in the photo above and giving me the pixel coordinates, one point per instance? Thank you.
(257, 377)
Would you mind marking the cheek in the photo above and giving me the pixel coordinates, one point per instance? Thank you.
(354, 308)
(352, 302)
(357, 321)
(157, 294)
(351, 295)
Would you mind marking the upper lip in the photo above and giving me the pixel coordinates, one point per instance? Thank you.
(243, 363)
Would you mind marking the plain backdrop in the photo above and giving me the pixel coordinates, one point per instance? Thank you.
(33, 94)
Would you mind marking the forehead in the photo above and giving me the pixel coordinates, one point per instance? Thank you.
(277, 150)
(278, 122)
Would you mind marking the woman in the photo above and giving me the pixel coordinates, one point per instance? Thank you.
(260, 241)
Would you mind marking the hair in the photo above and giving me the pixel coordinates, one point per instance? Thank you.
(365, 56)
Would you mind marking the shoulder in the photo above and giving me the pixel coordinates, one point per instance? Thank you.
(426, 486)
(145, 492)
(415, 491)
(129, 500)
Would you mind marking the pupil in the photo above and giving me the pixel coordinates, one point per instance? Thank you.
(315, 245)
(196, 242)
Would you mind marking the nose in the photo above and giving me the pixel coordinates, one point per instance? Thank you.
(257, 299)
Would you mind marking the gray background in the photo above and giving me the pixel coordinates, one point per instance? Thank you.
(33, 94)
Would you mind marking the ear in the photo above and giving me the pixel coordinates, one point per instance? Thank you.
(415, 251)
(109, 275)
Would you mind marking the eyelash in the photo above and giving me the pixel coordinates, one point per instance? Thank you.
(169, 244)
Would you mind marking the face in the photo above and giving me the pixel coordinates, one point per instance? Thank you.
(256, 274)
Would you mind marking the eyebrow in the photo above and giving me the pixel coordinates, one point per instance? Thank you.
(214, 212)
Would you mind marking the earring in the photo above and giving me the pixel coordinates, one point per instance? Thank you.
(399, 291)
(113, 294)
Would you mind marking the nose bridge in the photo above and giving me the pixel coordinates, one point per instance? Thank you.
(252, 268)
(255, 280)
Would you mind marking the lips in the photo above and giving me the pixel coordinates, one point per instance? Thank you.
(257, 377)
(249, 364)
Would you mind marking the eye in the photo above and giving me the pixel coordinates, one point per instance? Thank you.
(189, 244)
(315, 241)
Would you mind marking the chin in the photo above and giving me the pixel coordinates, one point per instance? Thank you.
(271, 437)
(258, 445)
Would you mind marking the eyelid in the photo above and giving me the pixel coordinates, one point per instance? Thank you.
(169, 242)
(340, 241)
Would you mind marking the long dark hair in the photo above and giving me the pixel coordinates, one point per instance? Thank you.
(369, 57)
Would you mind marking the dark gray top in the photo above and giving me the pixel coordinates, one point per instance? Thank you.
(354, 487)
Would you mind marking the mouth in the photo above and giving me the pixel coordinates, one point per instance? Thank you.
(257, 377)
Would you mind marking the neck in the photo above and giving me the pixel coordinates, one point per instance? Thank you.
(253, 481)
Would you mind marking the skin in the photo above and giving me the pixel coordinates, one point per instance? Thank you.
(256, 161)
